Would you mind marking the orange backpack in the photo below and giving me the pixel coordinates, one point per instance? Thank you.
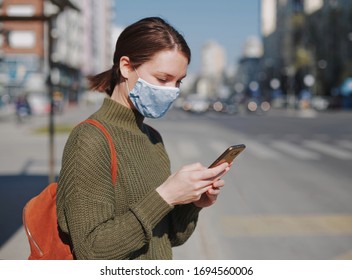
(39, 215)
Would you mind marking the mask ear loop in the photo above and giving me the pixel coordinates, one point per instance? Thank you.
(127, 87)
(136, 71)
(126, 81)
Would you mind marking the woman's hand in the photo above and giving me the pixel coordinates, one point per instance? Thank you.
(209, 197)
(191, 182)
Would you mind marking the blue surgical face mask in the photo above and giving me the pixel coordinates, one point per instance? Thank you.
(152, 101)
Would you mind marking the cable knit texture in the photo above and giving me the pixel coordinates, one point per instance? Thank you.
(129, 220)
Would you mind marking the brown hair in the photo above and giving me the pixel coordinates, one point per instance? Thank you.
(140, 42)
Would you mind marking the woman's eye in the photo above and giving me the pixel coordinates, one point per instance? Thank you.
(161, 80)
(178, 83)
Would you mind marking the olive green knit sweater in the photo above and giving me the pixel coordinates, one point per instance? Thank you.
(129, 220)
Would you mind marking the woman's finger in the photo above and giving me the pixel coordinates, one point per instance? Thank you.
(214, 191)
(219, 183)
(210, 174)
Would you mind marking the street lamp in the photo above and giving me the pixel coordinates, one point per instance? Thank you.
(49, 18)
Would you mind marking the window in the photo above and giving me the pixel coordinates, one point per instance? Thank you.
(22, 39)
(20, 10)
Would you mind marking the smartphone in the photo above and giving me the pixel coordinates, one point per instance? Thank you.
(229, 155)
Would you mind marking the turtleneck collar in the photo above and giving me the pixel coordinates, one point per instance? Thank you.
(115, 113)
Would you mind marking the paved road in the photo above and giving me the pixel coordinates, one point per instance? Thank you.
(289, 194)
(280, 201)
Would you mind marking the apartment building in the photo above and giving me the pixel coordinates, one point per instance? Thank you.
(79, 40)
(307, 45)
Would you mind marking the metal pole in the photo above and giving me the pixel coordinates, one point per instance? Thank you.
(51, 98)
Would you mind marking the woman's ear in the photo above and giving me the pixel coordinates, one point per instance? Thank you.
(125, 66)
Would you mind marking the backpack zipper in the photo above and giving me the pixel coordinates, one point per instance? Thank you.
(30, 237)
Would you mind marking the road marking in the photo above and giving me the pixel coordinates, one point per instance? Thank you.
(281, 225)
(328, 149)
(189, 149)
(261, 151)
(344, 143)
(218, 146)
(307, 113)
(295, 150)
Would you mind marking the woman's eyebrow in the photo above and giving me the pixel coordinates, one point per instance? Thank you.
(169, 75)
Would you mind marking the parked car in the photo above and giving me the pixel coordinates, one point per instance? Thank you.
(195, 104)
(258, 106)
(39, 103)
(228, 106)
(320, 103)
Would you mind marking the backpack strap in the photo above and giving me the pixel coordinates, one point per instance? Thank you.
(111, 146)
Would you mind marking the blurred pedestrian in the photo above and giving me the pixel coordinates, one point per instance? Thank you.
(23, 108)
(148, 210)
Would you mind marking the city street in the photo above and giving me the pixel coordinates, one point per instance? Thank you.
(288, 195)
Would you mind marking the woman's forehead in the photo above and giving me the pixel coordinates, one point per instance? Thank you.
(171, 62)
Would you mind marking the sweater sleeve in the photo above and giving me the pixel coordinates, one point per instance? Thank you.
(88, 199)
(184, 219)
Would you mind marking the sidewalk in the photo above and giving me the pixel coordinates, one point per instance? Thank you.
(24, 171)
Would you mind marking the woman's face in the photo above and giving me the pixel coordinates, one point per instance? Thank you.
(166, 68)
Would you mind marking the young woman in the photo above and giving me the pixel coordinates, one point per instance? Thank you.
(148, 210)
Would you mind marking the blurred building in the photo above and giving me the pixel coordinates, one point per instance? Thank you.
(307, 45)
(22, 48)
(97, 30)
(213, 60)
(248, 73)
(80, 45)
(115, 33)
(329, 41)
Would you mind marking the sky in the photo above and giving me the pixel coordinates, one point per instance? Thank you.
(228, 22)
